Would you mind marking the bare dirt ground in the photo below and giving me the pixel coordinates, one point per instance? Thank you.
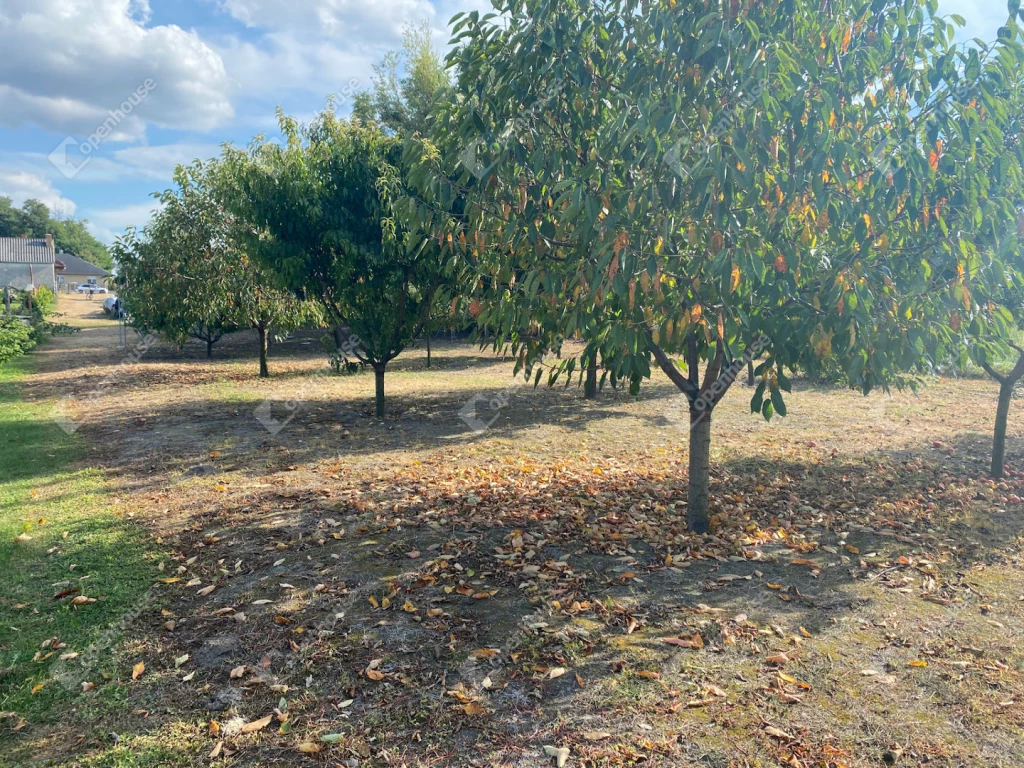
(419, 592)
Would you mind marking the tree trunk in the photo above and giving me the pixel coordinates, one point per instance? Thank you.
(264, 370)
(698, 519)
(999, 439)
(337, 337)
(428, 351)
(209, 349)
(590, 387)
(750, 373)
(378, 371)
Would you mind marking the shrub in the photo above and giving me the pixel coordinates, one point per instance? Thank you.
(16, 338)
(45, 301)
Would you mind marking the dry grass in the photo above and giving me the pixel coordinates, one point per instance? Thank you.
(857, 537)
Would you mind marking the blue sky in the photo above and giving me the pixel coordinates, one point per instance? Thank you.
(188, 75)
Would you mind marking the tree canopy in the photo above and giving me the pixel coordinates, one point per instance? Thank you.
(687, 179)
(320, 212)
(406, 86)
(186, 275)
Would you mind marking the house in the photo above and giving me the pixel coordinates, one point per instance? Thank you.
(73, 272)
(26, 261)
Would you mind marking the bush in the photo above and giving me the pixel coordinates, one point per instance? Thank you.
(16, 338)
(44, 300)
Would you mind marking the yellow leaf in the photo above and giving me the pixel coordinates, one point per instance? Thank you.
(474, 710)
(918, 663)
(374, 674)
(256, 725)
(409, 607)
(735, 281)
(138, 669)
(309, 748)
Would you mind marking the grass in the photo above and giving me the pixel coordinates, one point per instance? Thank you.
(58, 531)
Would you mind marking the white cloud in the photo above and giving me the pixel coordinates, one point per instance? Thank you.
(317, 47)
(357, 21)
(67, 63)
(107, 224)
(159, 162)
(21, 185)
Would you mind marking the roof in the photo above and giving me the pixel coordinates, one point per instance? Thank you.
(21, 250)
(76, 266)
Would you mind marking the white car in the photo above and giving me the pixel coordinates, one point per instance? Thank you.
(91, 289)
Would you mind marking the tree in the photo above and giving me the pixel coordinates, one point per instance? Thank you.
(717, 188)
(320, 211)
(188, 276)
(257, 303)
(406, 86)
(993, 314)
(9, 219)
(72, 236)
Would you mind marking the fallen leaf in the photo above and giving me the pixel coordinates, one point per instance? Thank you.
(138, 669)
(256, 725)
(596, 735)
(309, 748)
(561, 754)
(775, 733)
(696, 641)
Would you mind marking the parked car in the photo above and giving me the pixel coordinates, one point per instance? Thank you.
(89, 288)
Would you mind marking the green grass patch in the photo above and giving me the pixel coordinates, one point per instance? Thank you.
(74, 541)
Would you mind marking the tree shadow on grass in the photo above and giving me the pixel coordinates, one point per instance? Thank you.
(476, 601)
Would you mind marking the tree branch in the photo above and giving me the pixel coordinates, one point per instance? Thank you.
(672, 371)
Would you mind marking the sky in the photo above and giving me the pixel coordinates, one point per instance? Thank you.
(100, 99)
